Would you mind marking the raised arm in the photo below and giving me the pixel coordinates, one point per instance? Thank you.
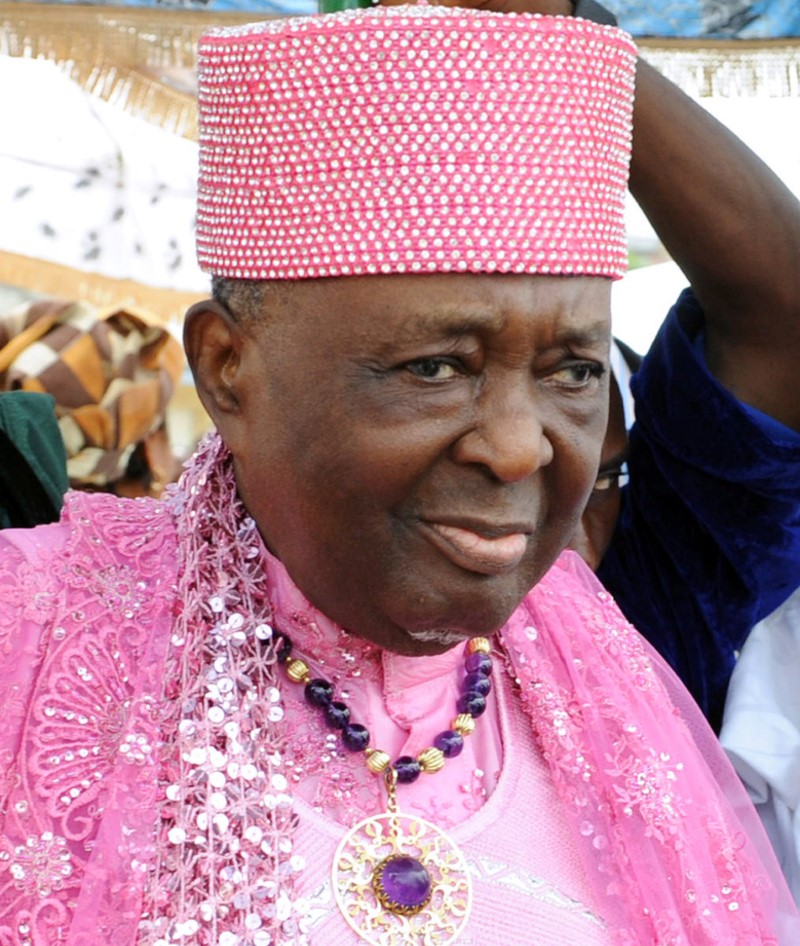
(734, 229)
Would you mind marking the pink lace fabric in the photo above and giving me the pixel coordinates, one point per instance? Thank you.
(117, 630)
(81, 698)
(669, 839)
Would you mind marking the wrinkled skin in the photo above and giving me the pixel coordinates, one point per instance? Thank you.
(417, 450)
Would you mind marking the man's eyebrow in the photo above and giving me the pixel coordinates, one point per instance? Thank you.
(449, 323)
(600, 332)
(595, 334)
(459, 323)
(459, 320)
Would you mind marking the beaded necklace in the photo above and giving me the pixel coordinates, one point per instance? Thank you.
(398, 878)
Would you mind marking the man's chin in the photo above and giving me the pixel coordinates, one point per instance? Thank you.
(431, 642)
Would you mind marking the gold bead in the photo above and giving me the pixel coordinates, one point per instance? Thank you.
(431, 760)
(297, 671)
(464, 723)
(479, 645)
(378, 761)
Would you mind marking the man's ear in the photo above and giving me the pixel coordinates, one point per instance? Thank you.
(213, 343)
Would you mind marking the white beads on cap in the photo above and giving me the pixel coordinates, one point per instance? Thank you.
(414, 139)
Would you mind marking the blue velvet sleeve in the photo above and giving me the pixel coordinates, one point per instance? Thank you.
(708, 539)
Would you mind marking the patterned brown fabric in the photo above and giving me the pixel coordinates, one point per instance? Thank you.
(111, 373)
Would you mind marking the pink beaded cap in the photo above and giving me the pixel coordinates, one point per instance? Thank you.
(414, 139)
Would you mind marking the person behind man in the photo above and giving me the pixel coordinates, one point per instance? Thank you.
(707, 539)
(268, 710)
(704, 539)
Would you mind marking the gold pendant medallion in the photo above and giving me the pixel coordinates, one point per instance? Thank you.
(400, 881)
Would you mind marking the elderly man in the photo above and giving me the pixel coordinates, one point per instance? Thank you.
(342, 686)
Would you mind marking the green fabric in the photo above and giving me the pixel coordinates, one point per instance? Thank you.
(33, 465)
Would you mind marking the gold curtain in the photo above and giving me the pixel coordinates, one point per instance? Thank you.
(139, 58)
(728, 68)
(65, 282)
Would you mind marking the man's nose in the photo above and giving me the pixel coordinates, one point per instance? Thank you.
(508, 436)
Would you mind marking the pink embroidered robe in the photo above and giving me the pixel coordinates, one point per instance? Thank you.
(88, 617)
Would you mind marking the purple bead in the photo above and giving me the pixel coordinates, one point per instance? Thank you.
(480, 662)
(477, 682)
(337, 714)
(319, 692)
(472, 703)
(355, 737)
(450, 742)
(407, 768)
(402, 884)
(284, 649)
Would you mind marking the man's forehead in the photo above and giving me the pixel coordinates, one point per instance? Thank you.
(405, 308)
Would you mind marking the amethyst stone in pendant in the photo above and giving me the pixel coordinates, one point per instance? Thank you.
(402, 884)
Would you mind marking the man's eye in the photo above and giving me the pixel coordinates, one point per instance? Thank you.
(606, 481)
(433, 369)
(579, 373)
(611, 479)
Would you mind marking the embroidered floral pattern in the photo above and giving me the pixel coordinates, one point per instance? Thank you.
(41, 865)
(24, 593)
(83, 722)
(79, 726)
(313, 755)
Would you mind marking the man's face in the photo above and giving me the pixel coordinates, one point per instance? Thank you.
(418, 449)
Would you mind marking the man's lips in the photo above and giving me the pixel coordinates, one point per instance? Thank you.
(476, 552)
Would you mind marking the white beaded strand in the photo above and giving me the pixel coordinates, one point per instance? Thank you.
(412, 140)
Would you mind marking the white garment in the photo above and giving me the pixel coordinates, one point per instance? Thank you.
(761, 729)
